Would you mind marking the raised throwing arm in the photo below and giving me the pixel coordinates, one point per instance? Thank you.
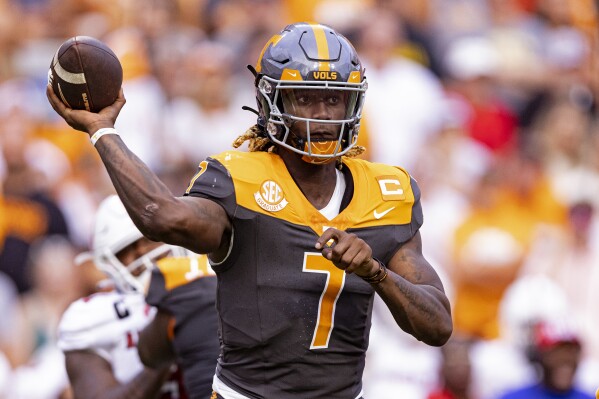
(194, 223)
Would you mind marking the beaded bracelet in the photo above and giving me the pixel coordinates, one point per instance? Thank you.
(378, 276)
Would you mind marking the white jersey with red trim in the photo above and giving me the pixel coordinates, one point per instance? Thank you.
(107, 324)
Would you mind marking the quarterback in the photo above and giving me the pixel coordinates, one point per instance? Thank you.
(300, 234)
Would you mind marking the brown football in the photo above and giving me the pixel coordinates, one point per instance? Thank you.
(85, 74)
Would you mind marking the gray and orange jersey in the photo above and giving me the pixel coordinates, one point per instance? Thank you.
(292, 324)
(185, 287)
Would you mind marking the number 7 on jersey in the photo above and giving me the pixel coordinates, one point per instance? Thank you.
(314, 262)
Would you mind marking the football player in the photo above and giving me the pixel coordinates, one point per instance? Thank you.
(185, 328)
(98, 333)
(300, 234)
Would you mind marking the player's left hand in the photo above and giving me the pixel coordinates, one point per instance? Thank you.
(348, 252)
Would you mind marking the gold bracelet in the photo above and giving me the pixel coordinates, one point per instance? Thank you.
(378, 276)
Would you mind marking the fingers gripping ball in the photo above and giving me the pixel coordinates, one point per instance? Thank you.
(85, 74)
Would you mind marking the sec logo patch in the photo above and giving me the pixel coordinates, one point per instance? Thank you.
(270, 197)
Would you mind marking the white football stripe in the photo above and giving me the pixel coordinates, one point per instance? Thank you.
(64, 100)
(69, 77)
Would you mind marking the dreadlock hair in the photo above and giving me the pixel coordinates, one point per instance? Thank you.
(355, 151)
(258, 141)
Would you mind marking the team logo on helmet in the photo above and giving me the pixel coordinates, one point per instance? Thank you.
(270, 197)
(324, 75)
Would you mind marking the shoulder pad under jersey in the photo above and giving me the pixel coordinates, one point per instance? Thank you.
(173, 272)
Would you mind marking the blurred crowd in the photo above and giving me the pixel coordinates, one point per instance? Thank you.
(492, 105)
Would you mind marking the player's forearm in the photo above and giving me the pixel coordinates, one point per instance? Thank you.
(146, 385)
(146, 198)
(421, 310)
(154, 346)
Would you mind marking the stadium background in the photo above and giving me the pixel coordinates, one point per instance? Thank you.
(492, 105)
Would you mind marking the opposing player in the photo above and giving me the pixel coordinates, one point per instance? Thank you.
(300, 235)
(98, 333)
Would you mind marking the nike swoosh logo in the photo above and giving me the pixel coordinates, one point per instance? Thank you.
(294, 74)
(383, 213)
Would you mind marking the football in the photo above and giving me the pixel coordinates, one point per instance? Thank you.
(85, 74)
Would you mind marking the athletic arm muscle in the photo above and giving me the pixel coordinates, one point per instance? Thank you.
(194, 223)
(415, 296)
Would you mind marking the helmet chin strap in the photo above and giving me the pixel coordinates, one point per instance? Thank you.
(325, 147)
(320, 147)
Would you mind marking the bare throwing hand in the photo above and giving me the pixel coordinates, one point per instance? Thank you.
(86, 121)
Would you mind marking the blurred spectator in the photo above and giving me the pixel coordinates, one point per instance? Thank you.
(489, 248)
(573, 260)
(10, 315)
(471, 63)
(405, 100)
(446, 174)
(40, 371)
(512, 206)
(417, 16)
(42, 377)
(502, 363)
(78, 195)
(234, 22)
(29, 212)
(556, 350)
(561, 50)
(166, 37)
(561, 44)
(141, 117)
(27, 219)
(564, 139)
(54, 288)
(207, 118)
(455, 371)
(570, 260)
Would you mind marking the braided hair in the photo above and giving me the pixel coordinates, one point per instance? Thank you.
(258, 141)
